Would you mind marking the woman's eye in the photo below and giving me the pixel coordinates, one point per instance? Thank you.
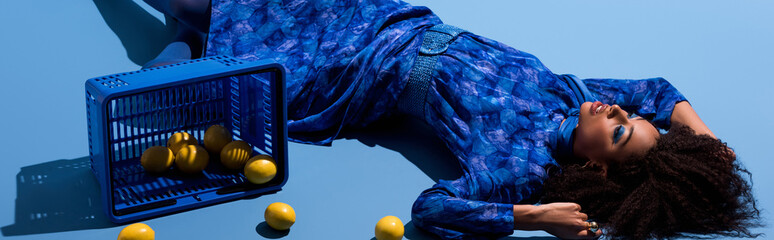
(617, 133)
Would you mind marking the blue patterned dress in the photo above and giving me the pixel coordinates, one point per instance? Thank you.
(494, 106)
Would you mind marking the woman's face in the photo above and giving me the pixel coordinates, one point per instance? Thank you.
(606, 134)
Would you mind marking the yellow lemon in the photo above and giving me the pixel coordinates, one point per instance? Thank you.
(235, 154)
(137, 231)
(215, 138)
(260, 169)
(280, 216)
(157, 159)
(389, 228)
(180, 139)
(192, 159)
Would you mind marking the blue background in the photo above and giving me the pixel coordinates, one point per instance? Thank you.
(717, 53)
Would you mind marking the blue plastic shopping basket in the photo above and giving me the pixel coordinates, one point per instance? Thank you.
(129, 112)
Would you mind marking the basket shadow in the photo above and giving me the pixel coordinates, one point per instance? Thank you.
(142, 35)
(57, 196)
(415, 141)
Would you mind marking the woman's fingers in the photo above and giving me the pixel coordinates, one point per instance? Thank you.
(565, 220)
(568, 206)
(582, 225)
(589, 234)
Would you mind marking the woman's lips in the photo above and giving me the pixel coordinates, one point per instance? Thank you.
(597, 107)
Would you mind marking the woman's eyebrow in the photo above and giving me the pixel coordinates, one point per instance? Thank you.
(631, 132)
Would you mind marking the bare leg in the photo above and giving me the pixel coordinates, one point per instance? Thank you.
(193, 17)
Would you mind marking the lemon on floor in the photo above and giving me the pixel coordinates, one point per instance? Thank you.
(280, 216)
(137, 231)
(389, 228)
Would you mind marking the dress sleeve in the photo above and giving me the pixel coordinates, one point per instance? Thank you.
(653, 98)
(459, 209)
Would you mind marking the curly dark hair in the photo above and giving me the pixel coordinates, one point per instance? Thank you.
(687, 184)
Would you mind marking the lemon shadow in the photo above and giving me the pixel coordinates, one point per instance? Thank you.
(264, 230)
(57, 196)
(413, 139)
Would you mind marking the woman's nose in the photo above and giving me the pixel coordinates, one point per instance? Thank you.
(617, 112)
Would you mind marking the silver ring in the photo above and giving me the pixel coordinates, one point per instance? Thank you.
(592, 226)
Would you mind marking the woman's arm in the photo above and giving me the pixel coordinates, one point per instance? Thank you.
(684, 114)
(564, 220)
(462, 209)
(653, 98)
(470, 208)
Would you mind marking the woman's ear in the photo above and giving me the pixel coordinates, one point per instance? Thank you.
(596, 165)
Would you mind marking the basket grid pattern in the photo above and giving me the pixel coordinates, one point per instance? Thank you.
(132, 111)
(143, 120)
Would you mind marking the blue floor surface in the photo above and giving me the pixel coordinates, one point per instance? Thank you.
(717, 53)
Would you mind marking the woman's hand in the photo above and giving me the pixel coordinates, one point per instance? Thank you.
(563, 220)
